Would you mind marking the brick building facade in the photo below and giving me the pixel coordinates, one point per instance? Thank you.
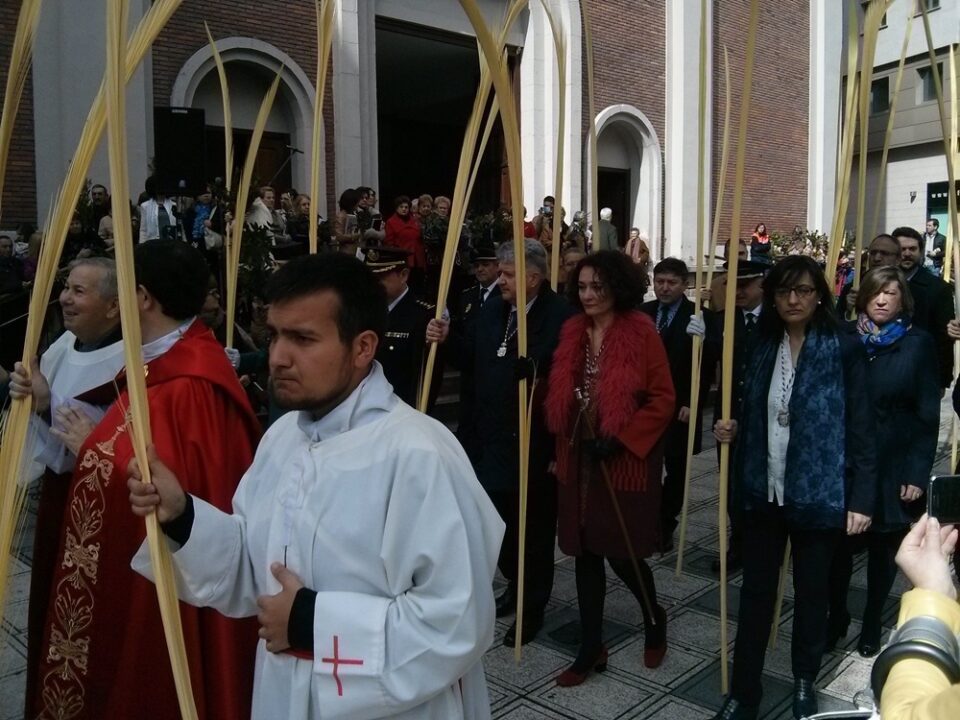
(646, 60)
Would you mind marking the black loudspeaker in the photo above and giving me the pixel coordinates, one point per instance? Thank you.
(179, 150)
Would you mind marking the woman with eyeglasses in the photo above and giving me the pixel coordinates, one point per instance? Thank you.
(906, 398)
(804, 469)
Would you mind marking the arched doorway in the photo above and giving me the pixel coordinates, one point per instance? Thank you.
(251, 65)
(629, 174)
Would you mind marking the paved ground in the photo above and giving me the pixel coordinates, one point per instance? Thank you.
(686, 686)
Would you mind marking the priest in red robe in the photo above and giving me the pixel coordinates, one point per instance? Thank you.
(104, 653)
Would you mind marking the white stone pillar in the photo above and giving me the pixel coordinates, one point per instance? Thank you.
(826, 41)
(682, 122)
(68, 63)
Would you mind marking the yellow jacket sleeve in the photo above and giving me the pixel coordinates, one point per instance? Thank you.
(915, 689)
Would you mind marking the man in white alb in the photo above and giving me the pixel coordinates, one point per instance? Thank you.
(360, 536)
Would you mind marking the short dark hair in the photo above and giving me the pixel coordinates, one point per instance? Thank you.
(348, 200)
(876, 280)
(784, 274)
(936, 223)
(549, 198)
(672, 266)
(908, 232)
(363, 301)
(400, 200)
(175, 274)
(622, 277)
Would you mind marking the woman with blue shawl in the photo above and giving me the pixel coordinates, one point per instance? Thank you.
(804, 468)
(906, 397)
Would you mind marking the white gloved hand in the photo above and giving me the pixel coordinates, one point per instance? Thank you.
(696, 327)
(233, 355)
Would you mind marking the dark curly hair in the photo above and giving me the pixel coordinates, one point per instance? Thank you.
(619, 274)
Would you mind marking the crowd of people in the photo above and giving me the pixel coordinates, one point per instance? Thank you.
(358, 538)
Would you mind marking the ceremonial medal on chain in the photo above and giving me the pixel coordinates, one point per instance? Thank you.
(502, 350)
(786, 386)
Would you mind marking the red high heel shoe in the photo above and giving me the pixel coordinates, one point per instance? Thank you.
(655, 646)
(570, 678)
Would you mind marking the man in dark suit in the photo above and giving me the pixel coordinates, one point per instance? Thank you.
(404, 348)
(486, 287)
(490, 348)
(936, 242)
(932, 300)
(746, 324)
(671, 313)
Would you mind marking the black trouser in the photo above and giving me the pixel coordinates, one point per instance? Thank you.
(765, 534)
(671, 498)
(592, 590)
(541, 540)
(881, 572)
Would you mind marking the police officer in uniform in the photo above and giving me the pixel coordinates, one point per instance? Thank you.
(485, 272)
(749, 302)
(403, 351)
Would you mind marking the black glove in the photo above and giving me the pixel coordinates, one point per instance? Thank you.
(524, 368)
(602, 448)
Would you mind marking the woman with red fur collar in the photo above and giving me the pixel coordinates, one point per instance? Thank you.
(610, 356)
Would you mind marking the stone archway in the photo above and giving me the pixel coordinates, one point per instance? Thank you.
(294, 105)
(626, 139)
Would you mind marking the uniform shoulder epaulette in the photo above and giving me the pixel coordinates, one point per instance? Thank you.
(424, 304)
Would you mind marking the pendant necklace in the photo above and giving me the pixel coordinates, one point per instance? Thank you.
(786, 386)
(502, 350)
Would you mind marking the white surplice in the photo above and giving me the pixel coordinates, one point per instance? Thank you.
(376, 507)
(71, 373)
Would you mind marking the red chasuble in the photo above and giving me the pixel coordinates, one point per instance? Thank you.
(104, 653)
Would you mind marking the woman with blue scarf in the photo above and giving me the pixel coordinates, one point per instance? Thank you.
(804, 468)
(906, 397)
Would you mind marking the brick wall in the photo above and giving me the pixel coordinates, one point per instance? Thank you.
(775, 183)
(20, 186)
(629, 58)
(289, 26)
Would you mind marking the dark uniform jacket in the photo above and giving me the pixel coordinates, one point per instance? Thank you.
(494, 447)
(745, 341)
(471, 300)
(933, 309)
(403, 350)
(679, 347)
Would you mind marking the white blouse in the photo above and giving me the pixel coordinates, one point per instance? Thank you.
(778, 436)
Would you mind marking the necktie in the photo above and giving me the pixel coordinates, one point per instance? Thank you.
(483, 295)
(664, 319)
(163, 221)
(751, 321)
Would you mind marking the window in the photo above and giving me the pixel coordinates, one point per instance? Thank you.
(930, 4)
(927, 91)
(880, 96)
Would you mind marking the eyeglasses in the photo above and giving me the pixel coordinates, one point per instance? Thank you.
(802, 291)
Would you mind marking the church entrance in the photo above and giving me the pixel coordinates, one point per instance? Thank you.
(426, 83)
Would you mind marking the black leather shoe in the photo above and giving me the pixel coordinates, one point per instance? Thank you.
(804, 698)
(531, 626)
(506, 603)
(870, 639)
(733, 710)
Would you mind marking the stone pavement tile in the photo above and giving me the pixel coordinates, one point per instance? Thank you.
(851, 678)
(703, 689)
(12, 690)
(601, 696)
(561, 629)
(677, 665)
(526, 710)
(682, 588)
(706, 516)
(778, 661)
(697, 536)
(564, 586)
(13, 656)
(16, 616)
(538, 664)
(499, 696)
(621, 606)
(671, 708)
(18, 587)
(700, 562)
(698, 631)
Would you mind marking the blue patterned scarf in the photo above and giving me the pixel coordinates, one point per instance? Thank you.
(876, 336)
(814, 493)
